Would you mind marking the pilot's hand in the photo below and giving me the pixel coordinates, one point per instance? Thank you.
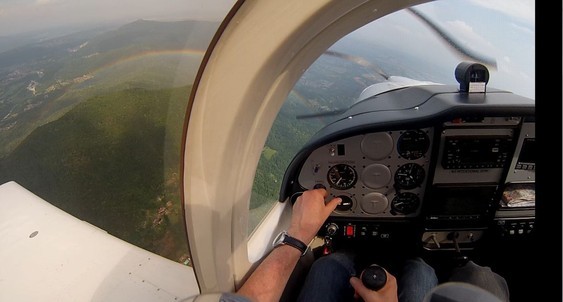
(309, 214)
(388, 293)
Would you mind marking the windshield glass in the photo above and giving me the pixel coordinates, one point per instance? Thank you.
(93, 95)
(425, 43)
(422, 44)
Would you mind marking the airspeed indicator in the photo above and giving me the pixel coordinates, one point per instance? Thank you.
(342, 177)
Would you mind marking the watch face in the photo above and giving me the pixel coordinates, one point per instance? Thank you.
(284, 239)
(279, 239)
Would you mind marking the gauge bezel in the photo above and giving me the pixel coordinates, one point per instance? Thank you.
(414, 203)
(350, 182)
(416, 173)
(413, 144)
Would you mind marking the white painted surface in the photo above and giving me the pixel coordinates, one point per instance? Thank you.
(48, 255)
(266, 232)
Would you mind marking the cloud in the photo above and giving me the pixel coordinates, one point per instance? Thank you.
(466, 34)
(523, 29)
(27, 15)
(524, 10)
(44, 2)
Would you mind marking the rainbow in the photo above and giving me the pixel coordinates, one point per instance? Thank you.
(194, 55)
(151, 54)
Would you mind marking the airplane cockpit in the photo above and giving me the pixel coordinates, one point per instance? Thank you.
(441, 170)
(448, 158)
(155, 153)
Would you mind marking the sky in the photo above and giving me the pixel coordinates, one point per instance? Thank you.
(501, 29)
(20, 16)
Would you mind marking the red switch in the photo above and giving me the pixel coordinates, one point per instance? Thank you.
(350, 230)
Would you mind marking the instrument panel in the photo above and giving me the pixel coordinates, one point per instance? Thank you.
(426, 162)
(433, 170)
(387, 174)
(381, 174)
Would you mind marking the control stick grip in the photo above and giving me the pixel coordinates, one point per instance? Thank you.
(374, 277)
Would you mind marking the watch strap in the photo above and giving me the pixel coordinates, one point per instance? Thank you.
(286, 239)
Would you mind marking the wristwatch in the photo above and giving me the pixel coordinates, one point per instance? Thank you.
(284, 239)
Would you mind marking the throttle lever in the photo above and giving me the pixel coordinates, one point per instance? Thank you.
(461, 259)
(453, 237)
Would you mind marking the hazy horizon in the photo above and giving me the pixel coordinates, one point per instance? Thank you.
(19, 17)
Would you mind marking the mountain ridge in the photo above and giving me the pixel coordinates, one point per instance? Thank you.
(42, 81)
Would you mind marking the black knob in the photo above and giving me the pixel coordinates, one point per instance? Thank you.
(346, 204)
(374, 277)
(319, 186)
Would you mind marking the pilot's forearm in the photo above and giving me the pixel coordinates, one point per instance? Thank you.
(268, 281)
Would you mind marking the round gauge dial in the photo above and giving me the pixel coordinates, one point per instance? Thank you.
(413, 144)
(374, 203)
(342, 177)
(409, 176)
(405, 203)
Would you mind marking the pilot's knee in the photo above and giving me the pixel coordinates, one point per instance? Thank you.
(419, 265)
(417, 268)
(334, 263)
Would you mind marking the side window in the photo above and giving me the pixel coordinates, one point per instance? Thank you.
(92, 110)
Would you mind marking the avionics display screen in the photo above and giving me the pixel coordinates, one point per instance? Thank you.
(528, 152)
(456, 201)
(467, 152)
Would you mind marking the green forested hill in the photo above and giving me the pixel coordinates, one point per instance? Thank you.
(103, 162)
(40, 82)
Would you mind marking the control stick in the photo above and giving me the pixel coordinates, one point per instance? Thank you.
(374, 277)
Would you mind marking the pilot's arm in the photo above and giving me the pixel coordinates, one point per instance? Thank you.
(268, 281)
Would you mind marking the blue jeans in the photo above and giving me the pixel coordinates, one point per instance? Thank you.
(329, 280)
(483, 277)
(415, 280)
